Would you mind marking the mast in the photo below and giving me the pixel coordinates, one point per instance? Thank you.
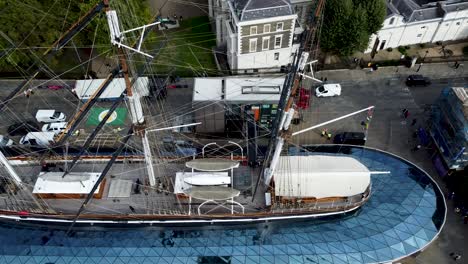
(10, 170)
(276, 143)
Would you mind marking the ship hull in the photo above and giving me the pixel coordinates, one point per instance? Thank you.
(165, 221)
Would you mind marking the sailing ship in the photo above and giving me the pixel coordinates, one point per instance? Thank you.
(60, 187)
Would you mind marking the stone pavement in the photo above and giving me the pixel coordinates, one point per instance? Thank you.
(442, 70)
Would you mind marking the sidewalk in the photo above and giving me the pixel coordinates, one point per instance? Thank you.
(434, 71)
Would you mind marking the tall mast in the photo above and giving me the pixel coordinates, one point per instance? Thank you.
(134, 101)
(10, 170)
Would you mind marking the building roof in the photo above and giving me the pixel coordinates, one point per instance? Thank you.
(207, 89)
(420, 10)
(238, 89)
(84, 89)
(258, 9)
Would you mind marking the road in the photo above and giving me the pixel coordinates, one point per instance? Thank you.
(389, 131)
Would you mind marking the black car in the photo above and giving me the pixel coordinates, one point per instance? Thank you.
(350, 138)
(415, 80)
(20, 129)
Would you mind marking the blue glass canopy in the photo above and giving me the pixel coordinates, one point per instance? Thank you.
(404, 214)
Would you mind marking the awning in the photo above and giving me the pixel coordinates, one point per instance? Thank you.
(212, 164)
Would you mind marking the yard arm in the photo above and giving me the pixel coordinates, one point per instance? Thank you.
(59, 44)
(101, 177)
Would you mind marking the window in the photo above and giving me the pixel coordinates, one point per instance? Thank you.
(382, 45)
(265, 43)
(391, 21)
(266, 28)
(279, 26)
(419, 35)
(276, 56)
(253, 45)
(278, 40)
(261, 89)
(253, 30)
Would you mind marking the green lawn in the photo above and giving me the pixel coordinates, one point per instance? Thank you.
(188, 50)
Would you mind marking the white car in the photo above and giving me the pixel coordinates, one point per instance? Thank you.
(55, 127)
(5, 142)
(50, 116)
(43, 139)
(328, 90)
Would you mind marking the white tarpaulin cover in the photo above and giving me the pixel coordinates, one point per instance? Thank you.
(72, 183)
(320, 176)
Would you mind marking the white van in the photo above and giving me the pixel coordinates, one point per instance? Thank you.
(49, 116)
(5, 142)
(327, 90)
(43, 139)
(55, 127)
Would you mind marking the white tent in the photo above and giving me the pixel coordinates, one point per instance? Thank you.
(319, 176)
(84, 89)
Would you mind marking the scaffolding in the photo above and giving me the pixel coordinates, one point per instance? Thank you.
(449, 128)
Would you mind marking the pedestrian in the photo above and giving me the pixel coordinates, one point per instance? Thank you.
(131, 208)
(414, 122)
(416, 148)
(458, 65)
(30, 91)
(452, 195)
(26, 94)
(465, 219)
(326, 79)
(175, 17)
(329, 135)
(405, 113)
(180, 18)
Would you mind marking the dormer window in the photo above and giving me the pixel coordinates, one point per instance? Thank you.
(391, 21)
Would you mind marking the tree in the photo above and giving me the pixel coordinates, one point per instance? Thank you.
(376, 12)
(348, 24)
(32, 26)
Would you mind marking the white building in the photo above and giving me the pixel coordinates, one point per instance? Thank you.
(258, 35)
(410, 22)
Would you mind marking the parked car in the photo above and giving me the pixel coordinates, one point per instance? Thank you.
(328, 90)
(350, 138)
(5, 142)
(23, 128)
(55, 127)
(43, 139)
(50, 116)
(415, 80)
